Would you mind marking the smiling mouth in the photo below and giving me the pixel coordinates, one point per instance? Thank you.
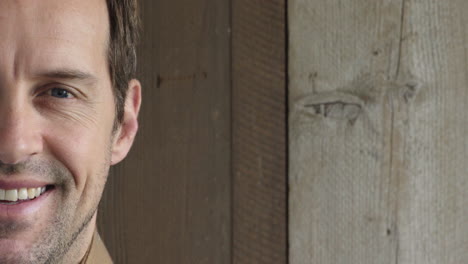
(16, 196)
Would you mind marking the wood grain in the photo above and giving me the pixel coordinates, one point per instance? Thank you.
(259, 132)
(170, 200)
(378, 124)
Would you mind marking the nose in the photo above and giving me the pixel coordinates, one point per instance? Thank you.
(19, 134)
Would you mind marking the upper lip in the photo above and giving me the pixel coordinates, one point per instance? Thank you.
(25, 183)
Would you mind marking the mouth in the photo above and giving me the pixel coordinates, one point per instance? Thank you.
(21, 195)
(24, 199)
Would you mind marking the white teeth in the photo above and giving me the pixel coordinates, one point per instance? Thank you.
(11, 195)
(21, 194)
(31, 193)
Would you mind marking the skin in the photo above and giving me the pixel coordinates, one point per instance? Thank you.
(56, 125)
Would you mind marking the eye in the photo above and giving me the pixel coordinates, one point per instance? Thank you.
(60, 93)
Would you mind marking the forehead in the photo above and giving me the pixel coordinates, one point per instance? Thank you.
(49, 33)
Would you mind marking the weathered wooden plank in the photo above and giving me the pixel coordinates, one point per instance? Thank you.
(433, 216)
(344, 58)
(170, 201)
(384, 182)
(259, 131)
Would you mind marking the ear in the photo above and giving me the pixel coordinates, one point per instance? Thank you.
(125, 135)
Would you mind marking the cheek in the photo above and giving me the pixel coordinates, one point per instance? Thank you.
(83, 150)
(78, 134)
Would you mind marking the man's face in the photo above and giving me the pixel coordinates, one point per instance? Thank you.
(56, 120)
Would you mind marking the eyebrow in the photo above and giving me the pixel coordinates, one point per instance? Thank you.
(70, 74)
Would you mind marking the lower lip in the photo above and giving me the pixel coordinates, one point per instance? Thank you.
(23, 209)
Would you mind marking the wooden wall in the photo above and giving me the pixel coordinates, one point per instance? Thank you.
(259, 132)
(170, 200)
(206, 179)
(378, 131)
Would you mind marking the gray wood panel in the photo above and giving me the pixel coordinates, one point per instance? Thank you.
(378, 131)
(170, 200)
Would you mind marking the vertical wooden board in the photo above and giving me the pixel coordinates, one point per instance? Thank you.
(343, 65)
(415, 185)
(433, 124)
(333, 43)
(169, 201)
(259, 131)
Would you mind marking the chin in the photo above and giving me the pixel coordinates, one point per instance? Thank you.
(33, 231)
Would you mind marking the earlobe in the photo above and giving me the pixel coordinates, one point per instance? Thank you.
(124, 137)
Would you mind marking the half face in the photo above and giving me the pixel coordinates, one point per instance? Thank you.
(56, 120)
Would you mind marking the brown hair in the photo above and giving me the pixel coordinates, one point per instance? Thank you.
(124, 28)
